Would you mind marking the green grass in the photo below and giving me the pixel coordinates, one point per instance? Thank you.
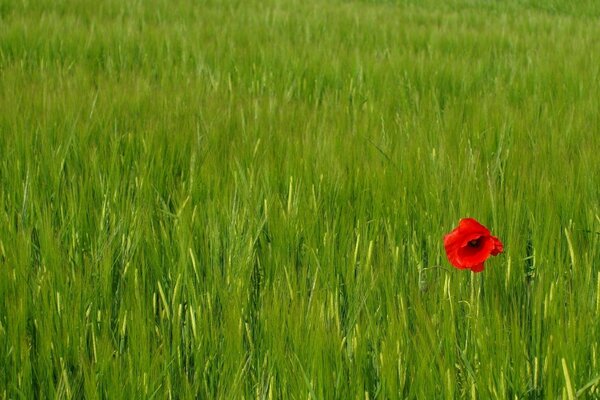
(247, 199)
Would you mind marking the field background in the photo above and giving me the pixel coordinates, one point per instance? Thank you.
(247, 199)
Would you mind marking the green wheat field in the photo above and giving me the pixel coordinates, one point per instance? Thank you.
(244, 199)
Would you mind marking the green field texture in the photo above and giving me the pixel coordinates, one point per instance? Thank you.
(247, 199)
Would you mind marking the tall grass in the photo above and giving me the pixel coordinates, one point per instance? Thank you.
(227, 199)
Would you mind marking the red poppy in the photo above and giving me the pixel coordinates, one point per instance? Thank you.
(470, 244)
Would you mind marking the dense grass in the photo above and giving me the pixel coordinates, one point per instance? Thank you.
(227, 199)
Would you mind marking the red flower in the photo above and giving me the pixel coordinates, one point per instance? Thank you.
(469, 245)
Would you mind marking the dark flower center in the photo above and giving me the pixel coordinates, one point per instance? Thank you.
(474, 243)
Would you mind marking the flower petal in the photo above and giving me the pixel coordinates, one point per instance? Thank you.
(452, 242)
(498, 246)
(471, 256)
(470, 225)
(477, 268)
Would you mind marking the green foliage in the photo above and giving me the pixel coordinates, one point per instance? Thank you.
(247, 199)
